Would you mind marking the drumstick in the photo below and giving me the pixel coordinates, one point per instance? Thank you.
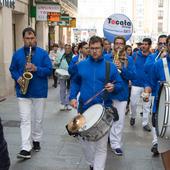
(93, 97)
(98, 93)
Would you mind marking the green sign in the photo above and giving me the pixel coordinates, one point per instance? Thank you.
(46, 2)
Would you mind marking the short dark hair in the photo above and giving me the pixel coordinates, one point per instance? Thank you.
(148, 40)
(120, 37)
(128, 46)
(168, 39)
(95, 39)
(139, 43)
(82, 44)
(162, 36)
(105, 39)
(29, 30)
(55, 45)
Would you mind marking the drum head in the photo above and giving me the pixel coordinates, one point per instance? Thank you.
(92, 115)
(163, 109)
(62, 72)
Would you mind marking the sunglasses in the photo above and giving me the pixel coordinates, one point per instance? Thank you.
(160, 43)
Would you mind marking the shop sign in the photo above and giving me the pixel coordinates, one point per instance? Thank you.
(7, 3)
(73, 22)
(43, 9)
(63, 23)
(53, 16)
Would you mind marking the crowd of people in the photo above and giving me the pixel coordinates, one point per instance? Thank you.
(130, 76)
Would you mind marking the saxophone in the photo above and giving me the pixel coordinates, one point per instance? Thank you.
(27, 75)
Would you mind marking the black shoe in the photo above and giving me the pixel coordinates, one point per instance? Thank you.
(55, 85)
(132, 121)
(147, 128)
(154, 149)
(36, 146)
(141, 114)
(24, 154)
(91, 168)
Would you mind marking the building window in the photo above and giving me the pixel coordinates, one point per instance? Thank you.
(160, 27)
(160, 14)
(160, 3)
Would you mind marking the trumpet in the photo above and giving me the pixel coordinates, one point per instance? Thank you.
(27, 75)
(121, 57)
(162, 51)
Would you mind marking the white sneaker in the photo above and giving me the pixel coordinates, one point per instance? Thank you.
(68, 107)
(62, 107)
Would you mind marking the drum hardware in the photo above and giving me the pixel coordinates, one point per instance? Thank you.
(77, 123)
(163, 112)
(96, 123)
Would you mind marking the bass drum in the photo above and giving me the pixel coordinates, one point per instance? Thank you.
(163, 112)
(98, 123)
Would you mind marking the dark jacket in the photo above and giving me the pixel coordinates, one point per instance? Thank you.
(4, 156)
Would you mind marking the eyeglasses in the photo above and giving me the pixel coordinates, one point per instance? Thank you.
(160, 43)
(119, 43)
(95, 49)
(86, 48)
(29, 38)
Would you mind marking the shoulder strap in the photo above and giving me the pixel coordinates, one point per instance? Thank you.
(107, 78)
(166, 70)
(107, 73)
(61, 60)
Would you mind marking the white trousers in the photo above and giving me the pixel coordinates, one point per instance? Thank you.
(31, 108)
(116, 130)
(95, 152)
(154, 135)
(134, 99)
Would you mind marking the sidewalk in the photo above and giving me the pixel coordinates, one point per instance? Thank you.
(62, 152)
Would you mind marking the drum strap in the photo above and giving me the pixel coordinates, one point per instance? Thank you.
(107, 78)
(166, 70)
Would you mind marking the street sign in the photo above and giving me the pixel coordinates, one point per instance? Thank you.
(53, 16)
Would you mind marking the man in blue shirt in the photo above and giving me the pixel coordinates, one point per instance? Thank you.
(151, 60)
(139, 83)
(89, 80)
(127, 71)
(34, 61)
(160, 74)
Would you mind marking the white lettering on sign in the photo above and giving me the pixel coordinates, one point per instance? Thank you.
(43, 9)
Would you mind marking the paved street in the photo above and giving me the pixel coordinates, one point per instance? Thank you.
(62, 152)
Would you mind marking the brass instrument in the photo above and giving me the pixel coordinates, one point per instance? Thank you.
(121, 56)
(27, 75)
(163, 50)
